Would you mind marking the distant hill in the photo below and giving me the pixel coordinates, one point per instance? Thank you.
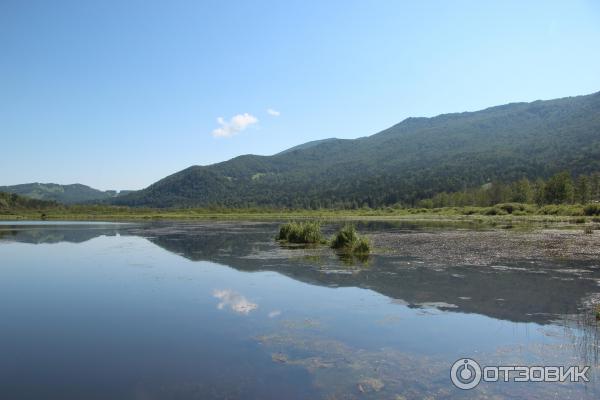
(65, 194)
(13, 202)
(409, 161)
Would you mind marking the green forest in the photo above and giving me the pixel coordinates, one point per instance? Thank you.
(542, 153)
(14, 202)
(65, 194)
(561, 188)
(414, 160)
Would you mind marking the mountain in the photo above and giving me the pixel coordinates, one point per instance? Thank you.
(66, 194)
(409, 161)
(308, 145)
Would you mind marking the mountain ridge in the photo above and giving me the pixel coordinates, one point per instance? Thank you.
(65, 194)
(408, 161)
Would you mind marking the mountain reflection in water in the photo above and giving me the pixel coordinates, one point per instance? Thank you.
(519, 291)
(218, 310)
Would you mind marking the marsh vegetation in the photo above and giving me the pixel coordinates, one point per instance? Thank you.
(347, 240)
(303, 232)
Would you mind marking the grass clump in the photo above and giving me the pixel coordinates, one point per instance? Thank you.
(588, 230)
(515, 208)
(562, 209)
(494, 211)
(344, 238)
(301, 232)
(347, 240)
(362, 246)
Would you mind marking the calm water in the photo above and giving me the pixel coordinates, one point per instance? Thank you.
(221, 311)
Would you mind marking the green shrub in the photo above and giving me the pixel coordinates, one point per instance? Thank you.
(562, 209)
(592, 209)
(510, 207)
(579, 220)
(494, 211)
(362, 246)
(301, 232)
(285, 230)
(344, 238)
(549, 210)
(347, 240)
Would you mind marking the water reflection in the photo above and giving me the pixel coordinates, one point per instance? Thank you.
(235, 301)
(522, 290)
(37, 233)
(222, 311)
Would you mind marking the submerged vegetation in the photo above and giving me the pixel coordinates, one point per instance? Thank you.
(308, 232)
(348, 240)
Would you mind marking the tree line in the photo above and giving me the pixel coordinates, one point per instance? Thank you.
(561, 188)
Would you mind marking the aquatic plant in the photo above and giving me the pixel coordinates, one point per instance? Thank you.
(346, 239)
(301, 232)
(362, 246)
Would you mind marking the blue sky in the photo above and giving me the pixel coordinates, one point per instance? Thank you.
(118, 94)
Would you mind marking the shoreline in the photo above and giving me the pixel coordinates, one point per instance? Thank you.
(508, 221)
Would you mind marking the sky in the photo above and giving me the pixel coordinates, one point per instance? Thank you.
(119, 94)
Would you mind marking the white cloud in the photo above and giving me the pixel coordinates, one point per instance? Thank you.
(235, 301)
(272, 112)
(235, 125)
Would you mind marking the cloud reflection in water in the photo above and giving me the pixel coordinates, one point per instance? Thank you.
(234, 300)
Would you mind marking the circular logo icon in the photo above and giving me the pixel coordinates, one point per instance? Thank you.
(465, 373)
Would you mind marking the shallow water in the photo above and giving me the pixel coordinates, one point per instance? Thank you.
(221, 311)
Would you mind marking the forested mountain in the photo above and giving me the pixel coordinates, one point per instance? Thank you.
(412, 160)
(66, 194)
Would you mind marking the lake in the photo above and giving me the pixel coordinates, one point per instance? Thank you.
(220, 310)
